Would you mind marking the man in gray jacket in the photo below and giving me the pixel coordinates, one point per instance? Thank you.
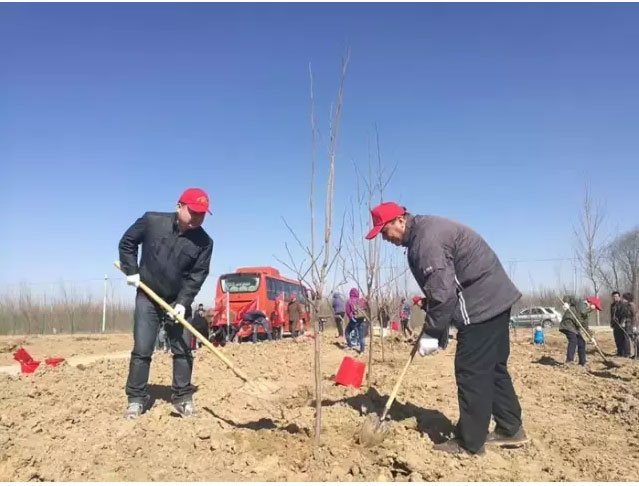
(465, 285)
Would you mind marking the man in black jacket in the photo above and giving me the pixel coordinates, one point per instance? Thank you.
(618, 330)
(464, 284)
(201, 325)
(176, 255)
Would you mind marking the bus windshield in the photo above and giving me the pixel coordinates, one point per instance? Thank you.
(240, 282)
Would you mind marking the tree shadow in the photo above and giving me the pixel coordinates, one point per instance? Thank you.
(431, 422)
(261, 424)
(548, 361)
(609, 375)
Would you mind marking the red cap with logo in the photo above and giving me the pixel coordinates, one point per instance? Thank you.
(196, 199)
(382, 214)
(596, 302)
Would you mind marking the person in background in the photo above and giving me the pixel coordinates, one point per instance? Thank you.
(628, 317)
(339, 309)
(295, 311)
(404, 316)
(355, 314)
(277, 317)
(618, 331)
(201, 325)
(574, 319)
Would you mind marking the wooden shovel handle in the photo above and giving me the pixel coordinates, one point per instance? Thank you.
(155, 297)
(393, 394)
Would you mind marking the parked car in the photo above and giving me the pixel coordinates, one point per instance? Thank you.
(558, 314)
(534, 316)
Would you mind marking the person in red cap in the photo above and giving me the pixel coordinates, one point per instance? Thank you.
(464, 285)
(572, 329)
(176, 256)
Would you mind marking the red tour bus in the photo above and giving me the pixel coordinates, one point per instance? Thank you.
(256, 288)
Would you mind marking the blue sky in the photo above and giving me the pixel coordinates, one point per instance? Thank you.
(496, 114)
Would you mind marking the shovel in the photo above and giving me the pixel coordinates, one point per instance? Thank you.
(374, 429)
(607, 362)
(257, 388)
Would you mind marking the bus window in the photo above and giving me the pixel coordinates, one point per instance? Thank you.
(301, 295)
(273, 288)
(240, 282)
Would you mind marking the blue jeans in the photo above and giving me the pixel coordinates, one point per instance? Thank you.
(353, 325)
(147, 319)
(264, 324)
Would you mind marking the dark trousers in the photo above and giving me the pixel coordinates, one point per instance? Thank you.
(145, 328)
(266, 330)
(406, 329)
(484, 387)
(339, 319)
(575, 341)
(621, 341)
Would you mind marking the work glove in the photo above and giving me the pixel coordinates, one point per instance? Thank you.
(566, 306)
(180, 310)
(133, 280)
(427, 345)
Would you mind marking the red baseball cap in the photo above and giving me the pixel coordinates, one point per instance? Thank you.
(196, 199)
(382, 214)
(416, 299)
(596, 302)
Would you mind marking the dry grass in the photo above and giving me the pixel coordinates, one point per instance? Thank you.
(25, 312)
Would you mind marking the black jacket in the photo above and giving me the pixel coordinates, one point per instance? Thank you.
(460, 275)
(614, 318)
(200, 324)
(174, 265)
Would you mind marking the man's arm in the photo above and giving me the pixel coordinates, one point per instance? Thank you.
(197, 276)
(441, 296)
(128, 247)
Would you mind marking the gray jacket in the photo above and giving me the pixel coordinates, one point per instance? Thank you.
(460, 275)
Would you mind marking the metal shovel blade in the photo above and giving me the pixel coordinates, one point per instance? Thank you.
(611, 364)
(373, 431)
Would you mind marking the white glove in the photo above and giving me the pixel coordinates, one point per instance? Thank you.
(593, 340)
(133, 280)
(427, 345)
(566, 306)
(179, 310)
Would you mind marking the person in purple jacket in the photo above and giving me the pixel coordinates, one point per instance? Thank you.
(354, 310)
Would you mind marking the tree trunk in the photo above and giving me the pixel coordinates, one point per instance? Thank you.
(369, 377)
(318, 383)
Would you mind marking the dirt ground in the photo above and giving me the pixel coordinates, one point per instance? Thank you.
(64, 345)
(66, 424)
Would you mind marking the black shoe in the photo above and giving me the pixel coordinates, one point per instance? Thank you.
(499, 439)
(453, 446)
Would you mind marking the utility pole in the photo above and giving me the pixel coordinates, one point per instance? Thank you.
(106, 278)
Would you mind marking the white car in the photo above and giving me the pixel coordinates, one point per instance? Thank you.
(534, 316)
(558, 314)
